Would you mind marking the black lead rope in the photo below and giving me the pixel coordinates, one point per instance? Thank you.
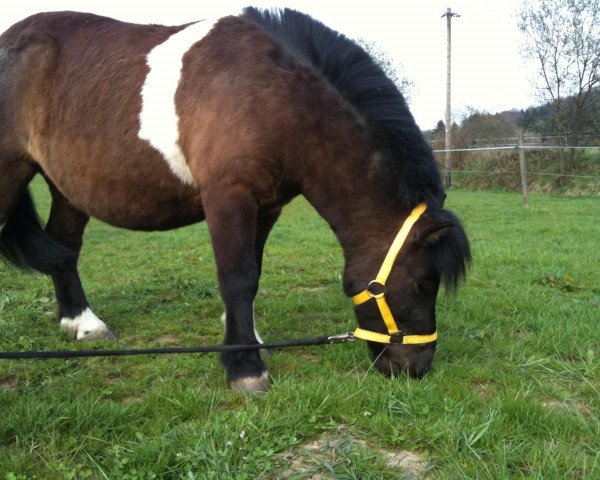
(302, 342)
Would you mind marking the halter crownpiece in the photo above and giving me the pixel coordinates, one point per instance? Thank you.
(376, 289)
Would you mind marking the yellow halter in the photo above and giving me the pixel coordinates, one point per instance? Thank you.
(376, 289)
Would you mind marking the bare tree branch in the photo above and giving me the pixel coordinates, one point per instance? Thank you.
(563, 37)
(393, 69)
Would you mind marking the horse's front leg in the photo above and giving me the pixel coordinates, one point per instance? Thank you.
(232, 220)
(265, 223)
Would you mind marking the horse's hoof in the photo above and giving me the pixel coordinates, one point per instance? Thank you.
(86, 327)
(259, 384)
(97, 335)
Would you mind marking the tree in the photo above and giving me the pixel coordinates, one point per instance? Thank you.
(392, 68)
(437, 135)
(440, 128)
(483, 128)
(563, 38)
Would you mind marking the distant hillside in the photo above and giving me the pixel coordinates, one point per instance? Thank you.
(477, 128)
(561, 170)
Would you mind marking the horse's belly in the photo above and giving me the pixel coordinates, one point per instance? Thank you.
(156, 215)
(129, 187)
(137, 204)
(148, 209)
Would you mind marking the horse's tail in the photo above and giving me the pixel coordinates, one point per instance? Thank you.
(25, 244)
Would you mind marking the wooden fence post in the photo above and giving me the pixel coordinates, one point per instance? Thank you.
(522, 168)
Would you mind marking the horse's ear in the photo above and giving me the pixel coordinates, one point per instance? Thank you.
(432, 233)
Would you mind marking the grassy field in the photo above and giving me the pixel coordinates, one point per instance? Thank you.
(514, 393)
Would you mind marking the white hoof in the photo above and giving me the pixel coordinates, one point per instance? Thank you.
(86, 326)
(254, 385)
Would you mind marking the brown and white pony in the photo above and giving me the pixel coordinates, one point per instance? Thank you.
(150, 127)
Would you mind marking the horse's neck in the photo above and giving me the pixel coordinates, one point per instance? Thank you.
(344, 190)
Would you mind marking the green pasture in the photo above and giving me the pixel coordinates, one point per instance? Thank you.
(514, 392)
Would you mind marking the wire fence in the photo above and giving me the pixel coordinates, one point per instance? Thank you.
(542, 139)
(517, 147)
(545, 174)
(569, 169)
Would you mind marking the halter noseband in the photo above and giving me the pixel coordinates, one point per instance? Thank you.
(376, 289)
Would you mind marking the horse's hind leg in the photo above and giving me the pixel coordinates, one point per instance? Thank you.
(232, 222)
(23, 241)
(67, 224)
(15, 175)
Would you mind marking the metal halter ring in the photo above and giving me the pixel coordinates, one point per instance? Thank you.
(380, 286)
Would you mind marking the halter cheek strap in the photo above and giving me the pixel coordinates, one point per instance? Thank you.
(376, 289)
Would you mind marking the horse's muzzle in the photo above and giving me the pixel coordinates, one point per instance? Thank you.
(414, 360)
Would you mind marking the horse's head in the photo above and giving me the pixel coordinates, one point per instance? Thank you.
(396, 307)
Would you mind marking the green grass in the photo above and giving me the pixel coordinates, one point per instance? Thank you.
(514, 393)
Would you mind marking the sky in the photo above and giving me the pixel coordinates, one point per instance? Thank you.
(488, 72)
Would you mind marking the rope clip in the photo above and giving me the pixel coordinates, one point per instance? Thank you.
(342, 338)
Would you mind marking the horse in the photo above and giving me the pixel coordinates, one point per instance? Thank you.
(151, 127)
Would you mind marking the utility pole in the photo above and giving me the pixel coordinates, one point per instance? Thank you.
(523, 168)
(447, 154)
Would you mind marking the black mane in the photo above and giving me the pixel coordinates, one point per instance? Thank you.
(410, 169)
(410, 173)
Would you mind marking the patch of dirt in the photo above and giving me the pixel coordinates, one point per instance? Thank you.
(308, 356)
(551, 403)
(412, 463)
(485, 388)
(554, 404)
(307, 461)
(169, 339)
(8, 383)
(129, 399)
(308, 289)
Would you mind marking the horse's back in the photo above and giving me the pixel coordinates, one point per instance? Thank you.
(146, 118)
(74, 104)
(66, 25)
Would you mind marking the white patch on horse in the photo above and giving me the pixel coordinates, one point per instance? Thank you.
(85, 325)
(1, 227)
(224, 322)
(159, 123)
